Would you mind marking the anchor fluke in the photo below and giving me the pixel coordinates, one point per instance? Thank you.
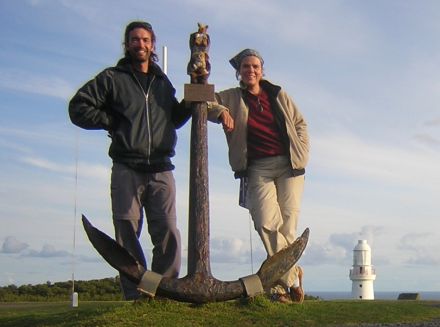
(274, 267)
(117, 256)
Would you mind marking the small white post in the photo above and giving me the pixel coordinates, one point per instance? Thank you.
(165, 59)
(74, 299)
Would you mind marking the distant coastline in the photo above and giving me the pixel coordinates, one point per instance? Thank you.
(427, 295)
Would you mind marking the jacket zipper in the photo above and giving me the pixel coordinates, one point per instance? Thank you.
(147, 110)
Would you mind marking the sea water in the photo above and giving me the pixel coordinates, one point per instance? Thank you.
(424, 295)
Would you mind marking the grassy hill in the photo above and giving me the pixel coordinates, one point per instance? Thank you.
(257, 312)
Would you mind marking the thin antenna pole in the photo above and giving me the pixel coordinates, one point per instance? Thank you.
(250, 241)
(74, 294)
(165, 59)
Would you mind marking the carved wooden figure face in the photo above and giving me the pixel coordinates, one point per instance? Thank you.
(202, 28)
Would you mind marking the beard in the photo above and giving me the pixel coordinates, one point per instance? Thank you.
(140, 56)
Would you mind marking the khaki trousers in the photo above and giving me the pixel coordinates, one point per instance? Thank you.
(274, 197)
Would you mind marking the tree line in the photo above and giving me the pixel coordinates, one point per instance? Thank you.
(107, 289)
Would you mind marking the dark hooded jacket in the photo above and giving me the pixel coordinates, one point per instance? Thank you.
(141, 123)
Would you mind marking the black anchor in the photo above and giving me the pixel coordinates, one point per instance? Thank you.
(198, 286)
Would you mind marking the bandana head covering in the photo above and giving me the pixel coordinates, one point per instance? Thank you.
(236, 61)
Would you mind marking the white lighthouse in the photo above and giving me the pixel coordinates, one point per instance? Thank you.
(362, 274)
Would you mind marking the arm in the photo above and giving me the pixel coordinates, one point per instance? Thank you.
(218, 113)
(87, 108)
(227, 121)
(298, 133)
(181, 114)
(301, 129)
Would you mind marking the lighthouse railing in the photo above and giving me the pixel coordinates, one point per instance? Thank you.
(362, 271)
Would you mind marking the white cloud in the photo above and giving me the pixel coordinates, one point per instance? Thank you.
(20, 138)
(87, 170)
(21, 81)
(329, 28)
(421, 248)
(234, 251)
(349, 155)
(338, 248)
(47, 165)
(321, 254)
(434, 122)
(12, 245)
(47, 251)
(428, 140)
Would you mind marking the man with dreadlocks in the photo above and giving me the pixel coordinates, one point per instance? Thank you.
(135, 102)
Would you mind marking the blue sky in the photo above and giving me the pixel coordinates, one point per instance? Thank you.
(365, 75)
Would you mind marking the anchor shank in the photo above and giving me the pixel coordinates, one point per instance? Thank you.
(198, 218)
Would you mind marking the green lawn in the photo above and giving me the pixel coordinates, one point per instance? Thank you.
(258, 312)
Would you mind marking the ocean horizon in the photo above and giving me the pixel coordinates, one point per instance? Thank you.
(329, 295)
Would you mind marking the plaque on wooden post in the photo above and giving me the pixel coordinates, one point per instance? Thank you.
(199, 92)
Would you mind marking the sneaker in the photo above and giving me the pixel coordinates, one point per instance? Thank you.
(297, 293)
(281, 298)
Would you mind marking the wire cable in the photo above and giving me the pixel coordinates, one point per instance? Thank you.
(75, 196)
(250, 241)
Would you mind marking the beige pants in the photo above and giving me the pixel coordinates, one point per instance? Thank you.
(274, 197)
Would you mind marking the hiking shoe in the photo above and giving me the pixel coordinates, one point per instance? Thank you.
(297, 293)
(281, 298)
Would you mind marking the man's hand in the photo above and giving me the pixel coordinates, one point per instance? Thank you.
(227, 121)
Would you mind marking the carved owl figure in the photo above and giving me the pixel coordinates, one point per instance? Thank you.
(199, 66)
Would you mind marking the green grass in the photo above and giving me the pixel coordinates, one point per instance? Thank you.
(258, 312)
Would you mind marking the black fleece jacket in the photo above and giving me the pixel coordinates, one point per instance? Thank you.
(141, 123)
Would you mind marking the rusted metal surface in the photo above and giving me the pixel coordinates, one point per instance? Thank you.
(117, 256)
(276, 266)
(198, 287)
(198, 215)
